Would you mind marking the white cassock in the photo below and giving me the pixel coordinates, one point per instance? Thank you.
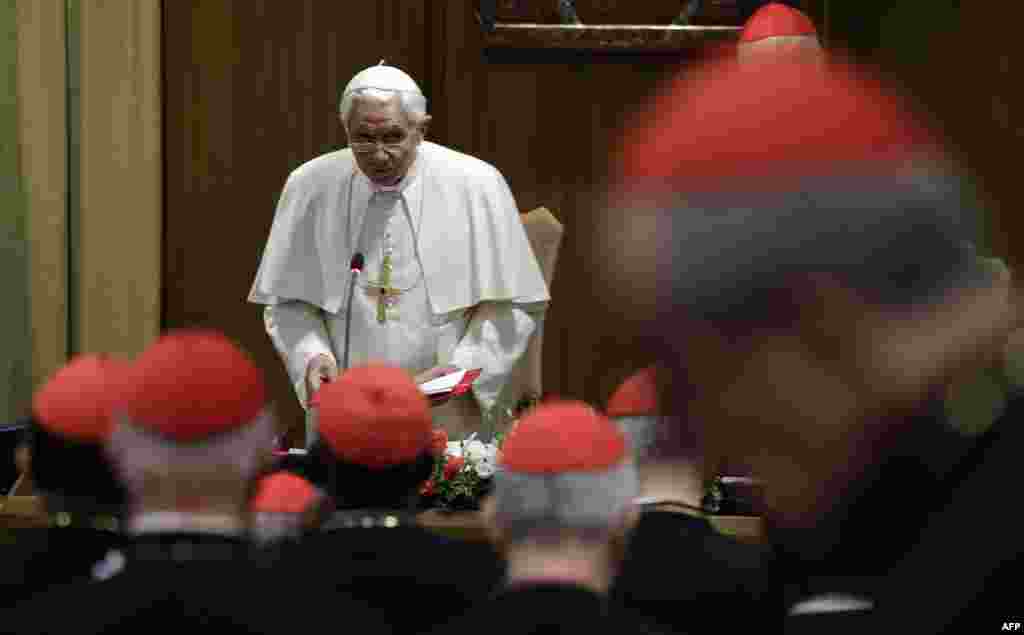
(469, 290)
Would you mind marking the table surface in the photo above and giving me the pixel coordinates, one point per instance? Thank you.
(745, 528)
(21, 511)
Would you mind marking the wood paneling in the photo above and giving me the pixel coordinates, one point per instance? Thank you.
(548, 123)
(972, 80)
(117, 244)
(251, 92)
(15, 360)
(43, 159)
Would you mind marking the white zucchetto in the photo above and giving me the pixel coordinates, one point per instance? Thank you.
(382, 78)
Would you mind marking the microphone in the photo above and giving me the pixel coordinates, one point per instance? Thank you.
(355, 268)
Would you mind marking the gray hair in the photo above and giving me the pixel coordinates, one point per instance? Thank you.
(267, 528)
(641, 432)
(899, 240)
(236, 456)
(664, 437)
(413, 104)
(536, 504)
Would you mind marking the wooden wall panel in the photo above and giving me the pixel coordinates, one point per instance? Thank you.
(251, 92)
(15, 360)
(972, 80)
(117, 244)
(548, 121)
(43, 158)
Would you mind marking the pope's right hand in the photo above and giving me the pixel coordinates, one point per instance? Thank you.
(320, 369)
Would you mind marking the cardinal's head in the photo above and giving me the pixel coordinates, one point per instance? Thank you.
(777, 30)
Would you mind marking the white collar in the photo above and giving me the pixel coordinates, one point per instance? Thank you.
(403, 183)
(389, 188)
(407, 190)
(170, 522)
(831, 603)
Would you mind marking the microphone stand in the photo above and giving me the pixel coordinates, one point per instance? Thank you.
(355, 267)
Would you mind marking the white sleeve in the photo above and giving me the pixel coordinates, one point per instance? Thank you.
(497, 336)
(299, 334)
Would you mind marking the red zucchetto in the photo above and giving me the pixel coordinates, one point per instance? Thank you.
(374, 415)
(776, 20)
(76, 403)
(636, 396)
(564, 437)
(191, 385)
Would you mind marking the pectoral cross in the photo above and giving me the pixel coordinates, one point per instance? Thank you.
(387, 295)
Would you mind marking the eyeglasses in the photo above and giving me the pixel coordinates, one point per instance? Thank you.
(369, 147)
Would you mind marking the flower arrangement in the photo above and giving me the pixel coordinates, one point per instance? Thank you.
(463, 470)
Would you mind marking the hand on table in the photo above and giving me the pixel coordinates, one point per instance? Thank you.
(23, 459)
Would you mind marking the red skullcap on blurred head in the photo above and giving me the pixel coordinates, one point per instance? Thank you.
(776, 20)
(190, 385)
(564, 437)
(76, 403)
(283, 492)
(636, 396)
(375, 416)
(729, 126)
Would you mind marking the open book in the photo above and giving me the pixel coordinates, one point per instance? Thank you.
(452, 384)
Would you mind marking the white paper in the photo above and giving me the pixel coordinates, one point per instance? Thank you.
(443, 384)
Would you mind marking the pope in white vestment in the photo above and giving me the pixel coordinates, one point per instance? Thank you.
(449, 276)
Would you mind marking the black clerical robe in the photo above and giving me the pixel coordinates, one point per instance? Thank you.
(37, 559)
(963, 572)
(188, 583)
(417, 578)
(680, 571)
(547, 608)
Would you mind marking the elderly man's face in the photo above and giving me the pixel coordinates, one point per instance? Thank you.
(382, 138)
(810, 407)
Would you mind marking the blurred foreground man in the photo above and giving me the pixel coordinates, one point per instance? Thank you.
(449, 279)
(811, 271)
(84, 500)
(373, 454)
(285, 507)
(192, 433)
(777, 31)
(677, 567)
(561, 507)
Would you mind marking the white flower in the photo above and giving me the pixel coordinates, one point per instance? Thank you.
(475, 451)
(485, 468)
(454, 448)
(480, 451)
